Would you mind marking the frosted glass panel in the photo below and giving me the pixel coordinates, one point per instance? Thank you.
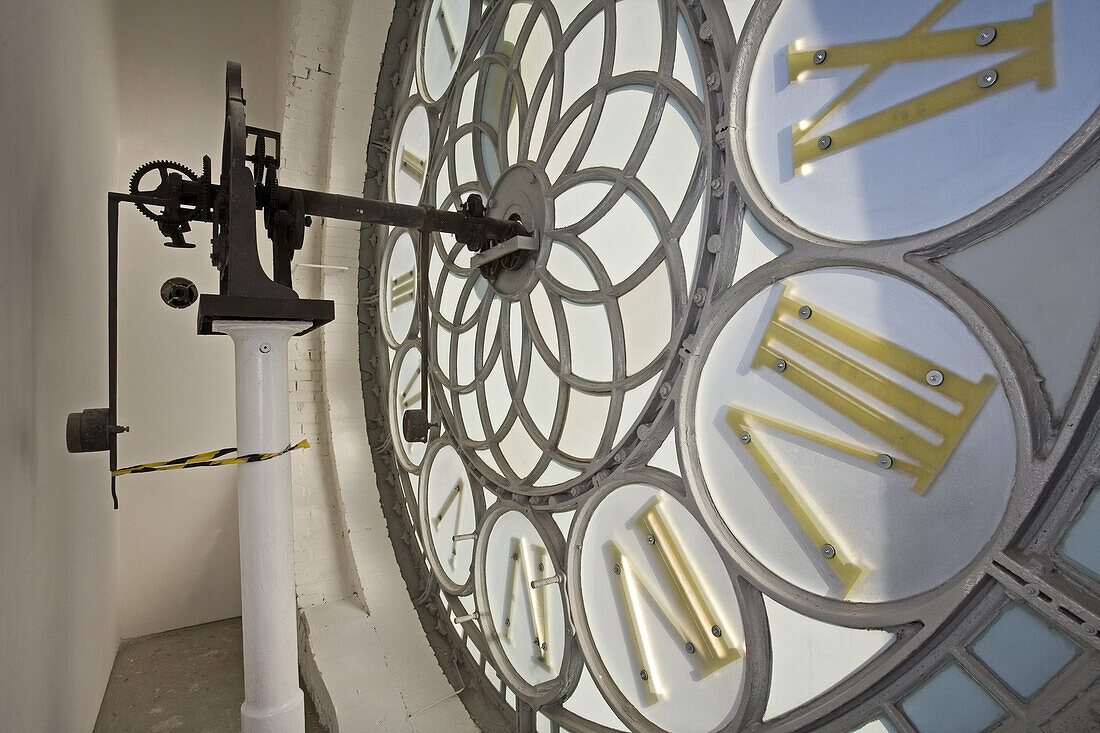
(878, 725)
(951, 701)
(1023, 650)
(1081, 545)
(810, 656)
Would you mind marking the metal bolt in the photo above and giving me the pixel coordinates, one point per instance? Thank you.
(780, 365)
(536, 641)
(824, 141)
(689, 648)
(828, 551)
(617, 569)
(884, 460)
(985, 36)
(819, 56)
(507, 622)
(699, 296)
(439, 517)
(1031, 589)
(543, 646)
(265, 347)
(715, 630)
(651, 539)
(934, 377)
(746, 438)
(515, 556)
(644, 675)
(666, 390)
(805, 312)
(540, 567)
(1088, 629)
(987, 78)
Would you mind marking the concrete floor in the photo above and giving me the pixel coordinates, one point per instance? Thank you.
(184, 680)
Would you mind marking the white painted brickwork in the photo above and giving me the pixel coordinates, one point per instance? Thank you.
(376, 671)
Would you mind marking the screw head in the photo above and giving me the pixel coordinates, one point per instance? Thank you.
(540, 567)
(987, 78)
(985, 36)
(689, 648)
(617, 569)
(805, 312)
(515, 556)
(644, 675)
(780, 365)
(934, 377)
(828, 551)
(746, 438)
(819, 56)
(715, 630)
(884, 460)
(651, 539)
(543, 647)
(265, 347)
(507, 622)
(824, 141)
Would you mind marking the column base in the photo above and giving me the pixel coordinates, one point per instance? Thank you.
(288, 719)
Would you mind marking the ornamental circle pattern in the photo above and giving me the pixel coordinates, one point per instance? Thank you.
(609, 164)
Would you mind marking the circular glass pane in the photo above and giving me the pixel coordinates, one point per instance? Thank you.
(409, 156)
(852, 436)
(405, 391)
(448, 510)
(873, 120)
(442, 35)
(525, 626)
(397, 288)
(656, 610)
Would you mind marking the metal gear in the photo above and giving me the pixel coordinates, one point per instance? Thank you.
(170, 214)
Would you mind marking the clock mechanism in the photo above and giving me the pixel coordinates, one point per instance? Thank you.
(756, 421)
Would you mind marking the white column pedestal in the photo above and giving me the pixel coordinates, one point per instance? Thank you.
(273, 702)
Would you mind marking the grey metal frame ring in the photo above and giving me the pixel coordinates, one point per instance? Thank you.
(430, 550)
(565, 681)
(757, 674)
(930, 607)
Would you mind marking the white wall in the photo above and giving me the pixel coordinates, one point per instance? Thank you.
(178, 531)
(59, 610)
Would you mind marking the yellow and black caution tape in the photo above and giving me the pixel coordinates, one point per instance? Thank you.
(213, 458)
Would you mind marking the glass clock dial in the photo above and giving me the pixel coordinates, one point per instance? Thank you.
(707, 461)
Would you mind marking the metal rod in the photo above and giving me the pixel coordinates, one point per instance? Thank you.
(422, 307)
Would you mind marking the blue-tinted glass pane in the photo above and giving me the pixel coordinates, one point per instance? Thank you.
(951, 701)
(1021, 649)
(1081, 545)
(878, 725)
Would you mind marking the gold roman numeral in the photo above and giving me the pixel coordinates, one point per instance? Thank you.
(453, 500)
(402, 288)
(410, 395)
(1032, 37)
(527, 562)
(414, 164)
(448, 37)
(871, 381)
(687, 612)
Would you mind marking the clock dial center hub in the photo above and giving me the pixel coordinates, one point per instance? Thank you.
(521, 194)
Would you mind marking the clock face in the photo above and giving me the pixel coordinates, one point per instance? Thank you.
(787, 423)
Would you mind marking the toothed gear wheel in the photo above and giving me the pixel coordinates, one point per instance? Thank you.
(173, 215)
